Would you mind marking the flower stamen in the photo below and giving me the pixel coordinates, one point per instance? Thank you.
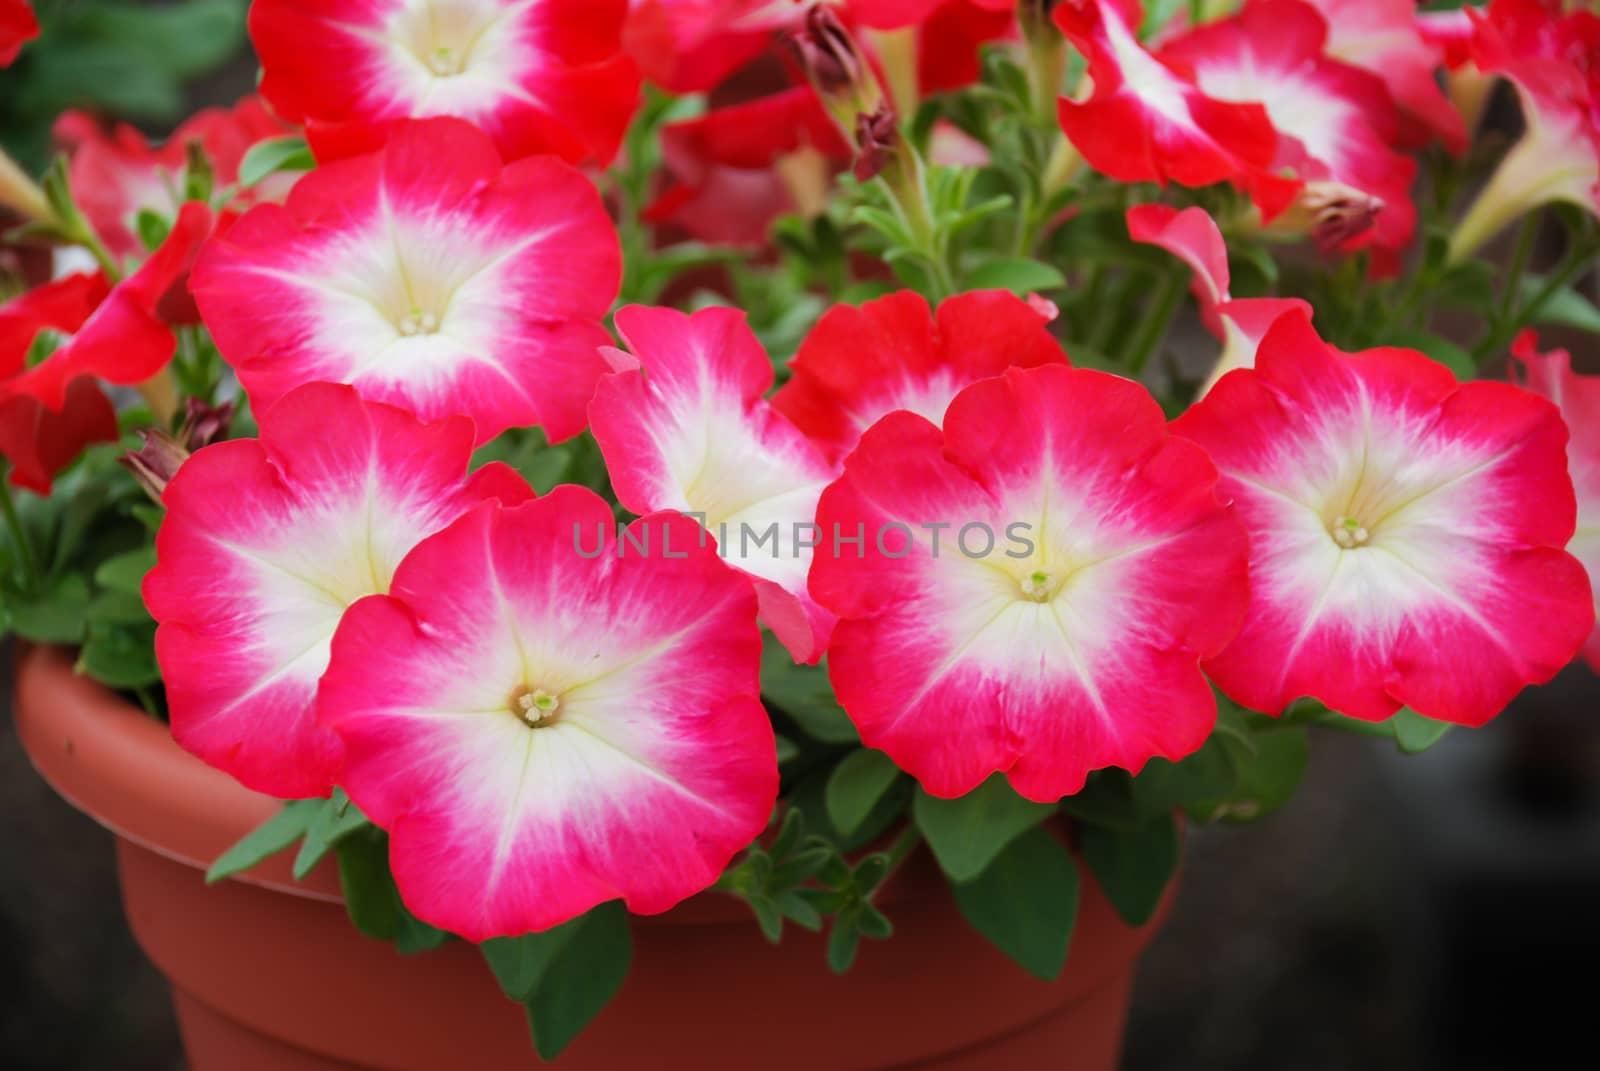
(418, 322)
(1039, 586)
(534, 706)
(1349, 533)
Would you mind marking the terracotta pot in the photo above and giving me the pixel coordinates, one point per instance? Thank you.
(268, 974)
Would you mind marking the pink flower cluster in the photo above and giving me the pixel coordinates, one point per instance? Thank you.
(540, 728)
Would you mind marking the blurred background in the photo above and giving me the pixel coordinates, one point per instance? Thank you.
(1428, 912)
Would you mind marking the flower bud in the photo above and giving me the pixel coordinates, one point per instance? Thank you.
(204, 423)
(1331, 212)
(836, 67)
(156, 462)
(877, 139)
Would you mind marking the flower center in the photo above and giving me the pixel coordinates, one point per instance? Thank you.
(446, 62)
(534, 705)
(442, 34)
(1349, 533)
(1039, 585)
(418, 322)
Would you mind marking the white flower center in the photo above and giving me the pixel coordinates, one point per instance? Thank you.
(1039, 586)
(534, 706)
(442, 34)
(1349, 533)
(418, 322)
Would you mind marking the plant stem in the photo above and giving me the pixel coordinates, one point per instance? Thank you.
(19, 535)
(1154, 328)
(1506, 327)
(906, 182)
(1519, 263)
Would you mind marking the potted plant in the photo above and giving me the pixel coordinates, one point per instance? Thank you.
(790, 543)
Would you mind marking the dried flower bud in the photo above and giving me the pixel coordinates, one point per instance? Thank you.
(877, 139)
(204, 423)
(156, 462)
(1339, 212)
(828, 53)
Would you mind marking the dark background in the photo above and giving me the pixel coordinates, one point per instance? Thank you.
(1433, 912)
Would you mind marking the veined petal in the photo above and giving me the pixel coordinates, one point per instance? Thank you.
(1035, 587)
(542, 729)
(428, 277)
(266, 542)
(1405, 532)
(692, 432)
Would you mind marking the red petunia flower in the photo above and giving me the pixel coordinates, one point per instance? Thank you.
(1147, 120)
(1578, 397)
(735, 170)
(540, 76)
(118, 175)
(79, 326)
(684, 426)
(266, 542)
(1386, 38)
(39, 442)
(1031, 589)
(428, 276)
(1406, 532)
(1336, 123)
(1553, 59)
(860, 364)
(1193, 237)
(564, 720)
(18, 26)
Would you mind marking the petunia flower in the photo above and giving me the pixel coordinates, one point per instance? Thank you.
(735, 170)
(429, 277)
(1578, 397)
(116, 176)
(1405, 532)
(860, 364)
(1031, 589)
(540, 76)
(1553, 59)
(81, 326)
(18, 26)
(39, 441)
(1240, 323)
(683, 425)
(1146, 119)
(266, 542)
(1385, 38)
(545, 720)
(1336, 123)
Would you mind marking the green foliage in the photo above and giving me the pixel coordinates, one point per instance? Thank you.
(274, 835)
(968, 832)
(1133, 867)
(564, 976)
(857, 784)
(273, 155)
(1026, 902)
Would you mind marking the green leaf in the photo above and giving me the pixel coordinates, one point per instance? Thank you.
(335, 820)
(1415, 733)
(1210, 773)
(1026, 902)
(565, 975)
(1016, 274)
(856, 786)
(1447, 353)
(843, 941)
(1270, 770)
(56, 616)
(267, 839)
(120, 656)
(788, 750)
(153, 228)
(370, 895)
(966, 833)
(1565, 308)
(125, 572)
(274, 155)
(803, 693)
(1133, 868)
(1107, 799)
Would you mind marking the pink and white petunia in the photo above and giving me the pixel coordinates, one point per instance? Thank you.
(684, 425)
(1578, 397)
(545, 719)
(1406, 532)
(539, 76)
(1146, 119)
(1033, 587)
(266, 542)
(427, 276)
(860, 364)
(1552, 57)
(1386, 38)
(1193, 236)
(1336, 123)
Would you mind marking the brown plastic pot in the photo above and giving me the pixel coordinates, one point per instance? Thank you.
(268, 974)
